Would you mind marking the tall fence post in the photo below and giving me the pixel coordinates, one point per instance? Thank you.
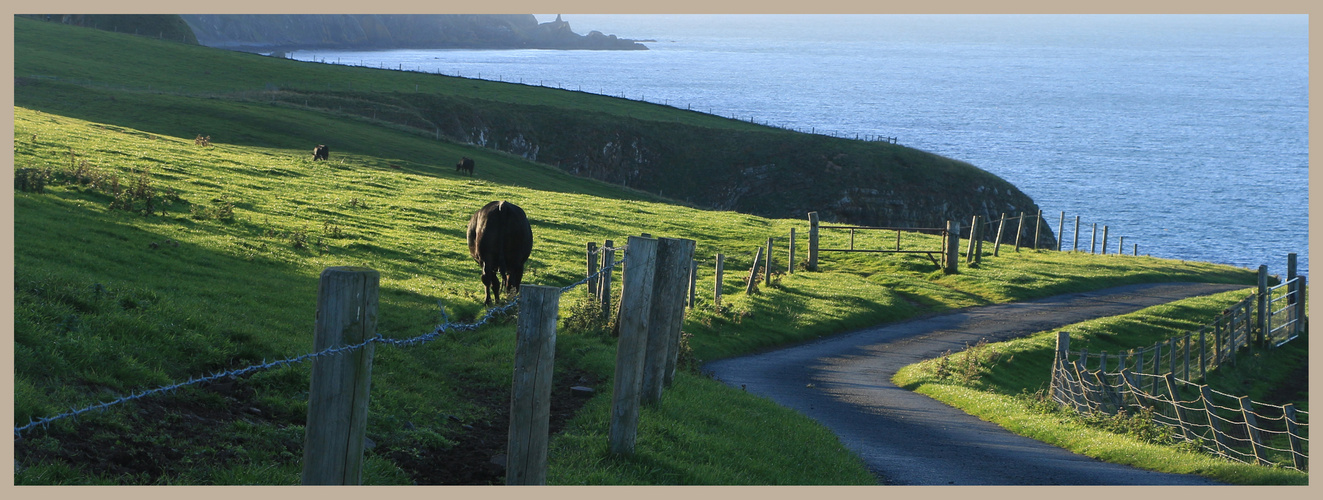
(1120, 245)
(790, 267)
(677, 320)
(973, 238)
(635, 305)
(530, 394)
(716, 293)
(752, 281)
(1203, 358)
(1063, 349)
(1104, 241)
(665, 315)
(1061, 230)
(338, 396)
(592, 268)
(1300, 304)
(1018, 231)
(1038, 228)
(1076, 246)
(767, 266)
(952, 249)
(1176, 410)
(813, 241)
(1219, 435)
(604, 292)
(1093, 239)
(693, 283)
(1252, 430)
(1298, 457)
(1001, 228)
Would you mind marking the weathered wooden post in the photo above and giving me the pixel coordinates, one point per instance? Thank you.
(1104, 241)
(752, 281)
(1063, 350)
(1203, 357)
(1298, 457)
(1038, 228)
(1290, 275)
(1219, 435)
(1061, 230)
(1186, 370)
(1262, 305)
(1018, 231)
(338, 395)
(592, 268)
(677, 322)
(635, 306)
(978, 243)
(716, 294)
(1120, 246)
(767, 266)
(1176, 410)
(1300, 305)
(693, 282)
(1001, 228)
(1093, 239)
(1076, 247)
(973, 237)
(604, 292)
(813, 242)
(530, 394)
(790, 269)
(1252, 430)
(1171, 355)
(952, 249)
(665, 315)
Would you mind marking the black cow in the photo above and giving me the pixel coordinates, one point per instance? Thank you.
(321, 152)
(465, 165)
(501, 240)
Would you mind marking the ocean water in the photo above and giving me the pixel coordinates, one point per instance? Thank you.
(1187, 135)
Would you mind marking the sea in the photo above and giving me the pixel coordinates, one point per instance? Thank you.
(1185, 134)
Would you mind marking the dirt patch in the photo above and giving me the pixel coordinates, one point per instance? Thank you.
(167, 437)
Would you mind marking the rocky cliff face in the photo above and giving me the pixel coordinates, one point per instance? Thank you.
(258, 32)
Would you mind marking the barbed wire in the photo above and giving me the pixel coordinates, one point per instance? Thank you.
(445, 326)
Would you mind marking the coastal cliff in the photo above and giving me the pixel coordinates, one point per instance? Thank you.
(271, 32)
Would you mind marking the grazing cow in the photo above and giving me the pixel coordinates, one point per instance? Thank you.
(465, 165)
(321, 152)
(501, 240)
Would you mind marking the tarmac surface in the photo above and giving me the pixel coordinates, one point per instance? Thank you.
(844, 382)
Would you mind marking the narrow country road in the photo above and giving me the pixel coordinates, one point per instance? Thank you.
(844, 382)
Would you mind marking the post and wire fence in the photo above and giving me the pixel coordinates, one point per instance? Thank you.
(1165, 382)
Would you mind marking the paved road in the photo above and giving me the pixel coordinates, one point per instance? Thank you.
(844, 382)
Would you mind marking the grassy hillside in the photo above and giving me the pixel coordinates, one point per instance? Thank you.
(702, 159)
(144, 257)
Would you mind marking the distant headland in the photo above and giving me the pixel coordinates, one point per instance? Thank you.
(283, 32)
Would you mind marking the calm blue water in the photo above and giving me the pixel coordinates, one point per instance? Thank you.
(1187, 135)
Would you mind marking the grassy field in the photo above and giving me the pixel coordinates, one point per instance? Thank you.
(143, 257)
(1006, 383)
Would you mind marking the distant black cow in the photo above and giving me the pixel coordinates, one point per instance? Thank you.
(501, 240)
(465, 165)
(321, 152)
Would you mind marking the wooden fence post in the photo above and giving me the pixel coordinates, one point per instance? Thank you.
(813, 242)
(1186, 370)
(1018, 231)
(767, 266)
(1063, 349)
(1203, 358)
(1176, 410)
(1262, 305)
(530, 393)
(1038, 228)
(693, 282)
(790, 268)
(604, 292)
(952, 249)
(635, 305)
(1219, 435)
(338, 396)
(1076, 246)
(978, 243)
(1001, 228)
(592, 268)
(665, 315)
(1171, 355)
(1120, 245)
(1252, 430)
(677, 320)
(1298, 457)
(716, 294)
(753, 272)
(973, 238)
(1104, 241)
(1300, 305)
(1061, 229)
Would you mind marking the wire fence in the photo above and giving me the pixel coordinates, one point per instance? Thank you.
(444, 327)
(1143, 382)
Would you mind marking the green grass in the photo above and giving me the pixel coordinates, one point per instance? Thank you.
(222, 274)
(1004, 382)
